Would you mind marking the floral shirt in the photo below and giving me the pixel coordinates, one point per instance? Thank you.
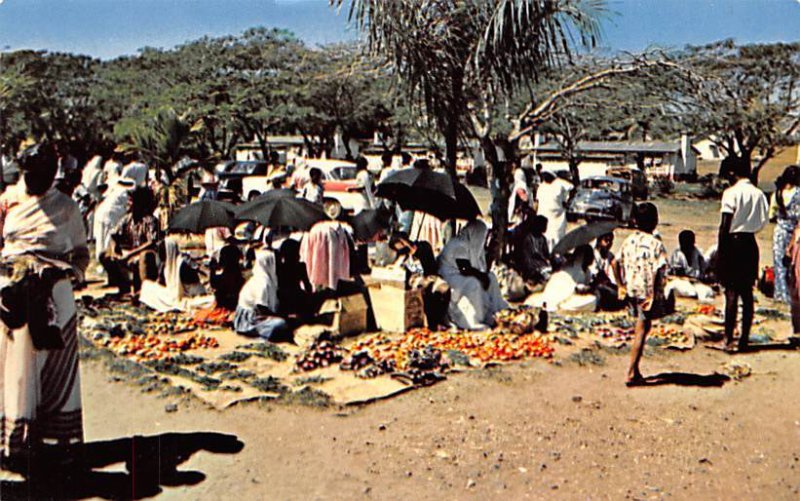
(641, 257)
(132, 234)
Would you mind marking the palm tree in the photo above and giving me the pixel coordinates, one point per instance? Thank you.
(458, 59)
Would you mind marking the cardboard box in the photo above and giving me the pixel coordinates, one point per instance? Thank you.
(348, 314)
(396, 309)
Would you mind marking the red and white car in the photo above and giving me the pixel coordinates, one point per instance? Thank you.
(338, 179)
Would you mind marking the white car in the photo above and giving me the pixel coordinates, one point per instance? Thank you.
(338, 179)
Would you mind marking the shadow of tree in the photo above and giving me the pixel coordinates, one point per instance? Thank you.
(150, 463)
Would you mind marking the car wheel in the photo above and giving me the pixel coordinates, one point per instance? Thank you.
(253, 194)
(332, 208)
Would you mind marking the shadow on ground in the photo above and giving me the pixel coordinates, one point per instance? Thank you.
(687, 379)
(150, 463)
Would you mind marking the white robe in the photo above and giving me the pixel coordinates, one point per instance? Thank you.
(174, 295)
(107, 215)
(471, 306)
(520, 186)
(552, 199)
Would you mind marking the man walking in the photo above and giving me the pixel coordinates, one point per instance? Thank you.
(744, 213)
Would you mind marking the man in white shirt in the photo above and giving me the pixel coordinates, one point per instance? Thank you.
(313, 190)
(552, 197)
(364, 185)
(744, 213)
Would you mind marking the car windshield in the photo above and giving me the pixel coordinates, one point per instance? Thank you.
(249, 168)
(343, 173)
(604, 184)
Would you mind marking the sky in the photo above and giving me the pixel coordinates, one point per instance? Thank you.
(109, 28)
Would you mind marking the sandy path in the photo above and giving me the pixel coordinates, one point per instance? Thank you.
(520, 432)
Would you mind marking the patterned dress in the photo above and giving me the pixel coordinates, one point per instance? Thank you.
(784, 228)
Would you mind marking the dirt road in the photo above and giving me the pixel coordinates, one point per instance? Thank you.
(535, 430)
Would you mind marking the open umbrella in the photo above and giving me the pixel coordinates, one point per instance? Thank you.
(279, 210)
(419, 180)
(434, 198)
(368, 223)
(584, 235)
(199, 216)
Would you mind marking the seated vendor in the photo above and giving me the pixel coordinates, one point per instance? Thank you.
(687, 260)
(603, 275)
(295, 292)
(228, 281)
(475, 294)
(569, 289)
(256, 312)
(179, 287)
(130, 257)
(422, 271)
(690, 271)
(530, 254)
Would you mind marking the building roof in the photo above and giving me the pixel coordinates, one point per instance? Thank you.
(614, 147)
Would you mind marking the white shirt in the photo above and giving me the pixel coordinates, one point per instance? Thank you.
(364, 181)
(748, 205)
(313, 193)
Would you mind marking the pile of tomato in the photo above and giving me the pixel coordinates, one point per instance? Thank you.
(152, 347)
(491, 347)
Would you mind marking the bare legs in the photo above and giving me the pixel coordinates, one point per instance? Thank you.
(732, 297)
(640, 335)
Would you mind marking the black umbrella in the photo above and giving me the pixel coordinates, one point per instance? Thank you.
(368, 223)
(584, 235)
(419, 180)
(199, 216)
(434, 200)
(279, 210)
(272, 195)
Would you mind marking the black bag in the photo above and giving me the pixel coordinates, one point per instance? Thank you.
(27, 302)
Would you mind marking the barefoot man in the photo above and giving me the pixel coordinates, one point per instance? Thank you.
(744, 213)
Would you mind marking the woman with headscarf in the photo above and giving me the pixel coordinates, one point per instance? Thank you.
(109, 213)
(40, 397)
(785, 210)
(475, 293)
(519, 204)
(181, 290)
(569, 288)
(227, 283)
(552, 198)
(258, 301)
(295, 292)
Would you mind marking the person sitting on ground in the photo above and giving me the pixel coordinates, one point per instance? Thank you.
(568, 289)
(295, 292)
(640, 270)
(422, 272)
(256, 312)
(687, 260)
(475, 293)
(178, 287)
(313, 191)
(228, 282)
(133, 242)
(604, 280)
(530, 254)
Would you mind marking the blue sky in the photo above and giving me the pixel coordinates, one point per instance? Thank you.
(107, 28)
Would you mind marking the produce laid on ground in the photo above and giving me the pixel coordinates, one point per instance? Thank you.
(153, 347)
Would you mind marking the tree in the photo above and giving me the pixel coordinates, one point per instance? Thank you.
(747, 101)
(458, 60)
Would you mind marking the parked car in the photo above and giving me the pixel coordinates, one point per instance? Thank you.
(636, 177)
(338, 179)
(605, 197)
(231, 172)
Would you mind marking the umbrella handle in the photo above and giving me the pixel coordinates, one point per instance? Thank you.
(419, 228)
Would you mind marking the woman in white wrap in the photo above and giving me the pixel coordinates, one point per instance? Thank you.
(520, 198)
(110, 212)
(551, 199)
(175, 294)
(258, 301)
(475, 293)
(40, 394)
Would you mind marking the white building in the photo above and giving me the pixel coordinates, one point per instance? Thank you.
(676, 159)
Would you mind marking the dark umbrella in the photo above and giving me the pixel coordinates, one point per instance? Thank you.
(434, 200)
(584, 235)
(419, 180)
(280, 210)
(199, 216)
(368, 223)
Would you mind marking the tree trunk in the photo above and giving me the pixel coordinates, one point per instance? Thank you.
(497, 173)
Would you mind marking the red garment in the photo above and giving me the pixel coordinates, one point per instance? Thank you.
(326, 251)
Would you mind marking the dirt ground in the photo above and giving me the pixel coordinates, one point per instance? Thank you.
(539, 429)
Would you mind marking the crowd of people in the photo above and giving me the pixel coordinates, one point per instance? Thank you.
(273, 279)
